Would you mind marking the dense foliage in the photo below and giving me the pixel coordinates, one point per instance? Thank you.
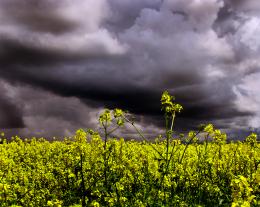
(87, 170)
(43, 173)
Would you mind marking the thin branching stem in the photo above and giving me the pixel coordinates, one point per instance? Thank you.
(142, 136)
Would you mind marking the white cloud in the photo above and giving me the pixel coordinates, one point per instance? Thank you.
(248, 34)
(248, 98)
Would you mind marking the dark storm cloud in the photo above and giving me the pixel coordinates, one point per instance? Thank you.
(10, 114)
(47, 114)
(123, 53)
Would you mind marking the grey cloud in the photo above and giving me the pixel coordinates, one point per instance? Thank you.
(47, 114)
(125, 53)
(244, 6)
(124, 13)
(10, 116)
(10, 113)
(202, 14)
(43, 16)
(27, 29)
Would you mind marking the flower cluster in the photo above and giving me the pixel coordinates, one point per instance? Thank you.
(168, 106)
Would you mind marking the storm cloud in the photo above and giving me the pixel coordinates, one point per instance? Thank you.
(61, 62)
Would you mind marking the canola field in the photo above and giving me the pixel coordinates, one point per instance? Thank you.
(81, 172)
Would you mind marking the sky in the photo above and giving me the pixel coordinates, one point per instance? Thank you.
(62, 62)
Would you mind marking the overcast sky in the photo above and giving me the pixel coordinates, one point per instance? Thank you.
(62, 61)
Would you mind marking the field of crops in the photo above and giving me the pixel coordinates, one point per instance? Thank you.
(199, 169)
(128, 173)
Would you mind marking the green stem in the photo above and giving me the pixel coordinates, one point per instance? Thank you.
(105, 152)
(173, 117)
(168, 137)
(188, 145)
(142, 136)
(82, 181)
(112, 130)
